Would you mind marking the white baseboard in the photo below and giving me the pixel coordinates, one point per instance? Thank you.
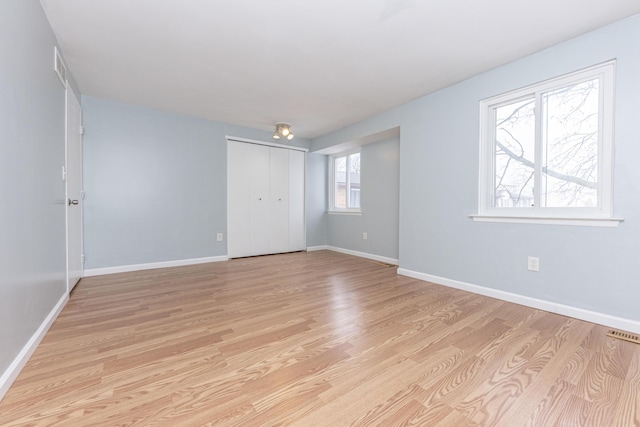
(152, 265)
(10, 375)
(553, 307)
(317, 248)
(379, 258)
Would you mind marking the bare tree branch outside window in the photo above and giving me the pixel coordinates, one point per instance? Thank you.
(569, 149)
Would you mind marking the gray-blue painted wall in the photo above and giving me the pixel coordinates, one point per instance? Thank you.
(316, 200)
(32, 210)
(586, 267)
(155, 185)
(379, 199)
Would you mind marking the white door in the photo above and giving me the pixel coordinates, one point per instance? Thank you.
(247, 199)
(260, 191)
(238, 199)
(259, 179)
(279, 200)
(74, 191)
(297, 228)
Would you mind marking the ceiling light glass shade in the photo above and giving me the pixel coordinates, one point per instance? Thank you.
(283, 130)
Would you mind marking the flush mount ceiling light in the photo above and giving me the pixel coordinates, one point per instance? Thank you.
(283, 130)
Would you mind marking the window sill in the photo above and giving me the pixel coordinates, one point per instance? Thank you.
(588, 222)
(344, 212)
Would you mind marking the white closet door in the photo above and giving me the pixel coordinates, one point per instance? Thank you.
(297, 230)
(260, 195)
(238, 199)
(279, 221)
(265, 200)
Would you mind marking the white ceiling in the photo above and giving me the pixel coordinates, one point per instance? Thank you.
(318, 64)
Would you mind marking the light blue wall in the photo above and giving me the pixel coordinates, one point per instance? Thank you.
(585, 267)
(155, 184)
(32, 210)
(316, 200)
(379, 201)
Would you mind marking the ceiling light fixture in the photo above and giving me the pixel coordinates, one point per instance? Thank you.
(283, 130)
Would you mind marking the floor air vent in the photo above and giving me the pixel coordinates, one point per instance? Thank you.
(624, 336)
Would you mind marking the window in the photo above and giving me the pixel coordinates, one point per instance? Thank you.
(546, 150)
(345, 182)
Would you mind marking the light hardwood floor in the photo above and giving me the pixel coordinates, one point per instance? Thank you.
(316, 338)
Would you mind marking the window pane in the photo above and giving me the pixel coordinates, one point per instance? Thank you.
(354, 180)
(340, 168)
(570, 146)
(354, 198)
(514, 154)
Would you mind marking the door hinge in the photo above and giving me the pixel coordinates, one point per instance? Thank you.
(81, 130)
(82, 259)
(64, 173)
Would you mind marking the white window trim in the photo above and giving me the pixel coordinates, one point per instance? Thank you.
(591, 222)
(598, 216)
(345, 212)
(332, 184)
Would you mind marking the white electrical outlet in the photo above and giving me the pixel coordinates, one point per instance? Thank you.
(364, 236)
(219, 237)
(533, 263)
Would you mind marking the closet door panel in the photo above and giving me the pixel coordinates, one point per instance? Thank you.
(279, 219)
(297, 230)
(238, 200)
(259, 210)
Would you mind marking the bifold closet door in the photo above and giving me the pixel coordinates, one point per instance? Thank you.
(260, 209)
(297, 229)
(265, 200)
(238, 201)
(247, 199)
(279, 213)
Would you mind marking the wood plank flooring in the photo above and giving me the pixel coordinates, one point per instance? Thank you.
(315, 339)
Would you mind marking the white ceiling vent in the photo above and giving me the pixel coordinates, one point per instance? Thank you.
(59, 68)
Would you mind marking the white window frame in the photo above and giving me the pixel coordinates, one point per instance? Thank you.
(332, 183)
(600, 215)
